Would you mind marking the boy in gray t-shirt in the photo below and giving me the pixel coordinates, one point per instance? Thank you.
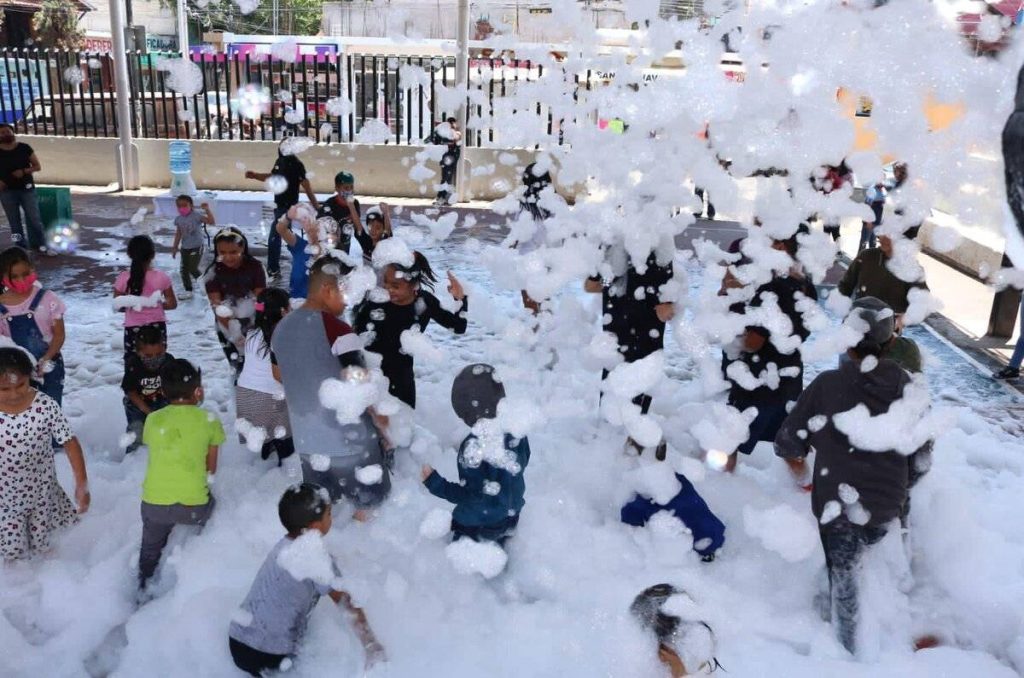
(298, 570)
(189, 237)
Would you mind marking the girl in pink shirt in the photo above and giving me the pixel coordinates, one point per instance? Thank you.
(144, 293)
(33, 318)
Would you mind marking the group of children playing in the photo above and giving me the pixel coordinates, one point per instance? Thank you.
(283, 346)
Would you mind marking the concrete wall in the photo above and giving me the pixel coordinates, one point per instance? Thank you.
(379, 169)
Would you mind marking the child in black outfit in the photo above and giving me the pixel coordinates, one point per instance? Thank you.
(409, 306)
(141, 383)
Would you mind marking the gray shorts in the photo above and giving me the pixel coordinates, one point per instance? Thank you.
(340, 479)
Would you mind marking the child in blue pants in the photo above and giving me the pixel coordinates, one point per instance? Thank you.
(689, 507)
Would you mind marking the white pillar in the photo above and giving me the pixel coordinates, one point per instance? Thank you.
(183, 28)
(127, 171)
(462, 80)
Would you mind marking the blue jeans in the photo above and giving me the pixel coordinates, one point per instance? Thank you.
(274, 243)
(868, 237)
(1018, 351)
(14, 200)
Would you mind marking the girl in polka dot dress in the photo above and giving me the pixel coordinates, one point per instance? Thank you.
(32, 504)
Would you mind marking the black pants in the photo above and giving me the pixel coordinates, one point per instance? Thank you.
(282, 447)
(499, 532)
(401, 383)
(235, 357)
(252, 661)
(449, 166)
(157, 523)
(699, 192)
(844, 544)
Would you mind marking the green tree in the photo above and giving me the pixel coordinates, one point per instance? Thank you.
(56, 25)
(294, 17)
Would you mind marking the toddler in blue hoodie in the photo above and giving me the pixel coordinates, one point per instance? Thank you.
(491, 488)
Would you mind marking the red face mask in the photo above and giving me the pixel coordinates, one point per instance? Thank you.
(23, 286)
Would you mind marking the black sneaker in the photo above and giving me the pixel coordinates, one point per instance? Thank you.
(1007, 373)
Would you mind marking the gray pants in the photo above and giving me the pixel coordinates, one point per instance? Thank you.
(157, 523)
(340, 479)
(844, 544)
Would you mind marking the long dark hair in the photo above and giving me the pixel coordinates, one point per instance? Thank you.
(420, 272)
(8, 258)
(271, 306)
(142, 252)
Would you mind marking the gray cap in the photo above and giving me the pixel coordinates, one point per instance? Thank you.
(476, 393)
(879, 316)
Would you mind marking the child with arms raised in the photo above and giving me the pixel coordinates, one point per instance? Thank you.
(490, 493)
(183, 440)
(32, 504)
(275, 613)
(33, 318)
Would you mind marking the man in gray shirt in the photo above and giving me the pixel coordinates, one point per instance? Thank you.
(311, 345)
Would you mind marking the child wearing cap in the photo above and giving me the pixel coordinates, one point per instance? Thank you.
(860, 487)
(300, 232)
(490, 493)
(344, 209)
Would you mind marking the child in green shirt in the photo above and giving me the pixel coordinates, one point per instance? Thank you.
(183, 440)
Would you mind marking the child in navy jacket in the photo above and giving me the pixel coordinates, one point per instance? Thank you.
(491, 488)
(689, 507)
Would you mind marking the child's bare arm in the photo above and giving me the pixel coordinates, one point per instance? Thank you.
(283, 230)
(170, 301)
(374, 650)
(208, 218)
(211, 459)
(174, 245)
(136, 399)
(73, 450)
(57, 343)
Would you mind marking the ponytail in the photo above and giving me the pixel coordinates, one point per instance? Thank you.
(141, 251)
(271, 306)
(420, 272)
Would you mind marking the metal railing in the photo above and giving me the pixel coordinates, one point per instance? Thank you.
(72, 93)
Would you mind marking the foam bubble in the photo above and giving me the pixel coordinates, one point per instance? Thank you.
(276, 184)
(252, 101)
(74, 76)
(63, 236)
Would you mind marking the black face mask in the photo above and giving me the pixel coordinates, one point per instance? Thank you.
(152, 362)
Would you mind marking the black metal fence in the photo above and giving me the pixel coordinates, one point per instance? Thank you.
(390, 99)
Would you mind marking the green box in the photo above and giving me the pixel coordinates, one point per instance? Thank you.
(54, 204)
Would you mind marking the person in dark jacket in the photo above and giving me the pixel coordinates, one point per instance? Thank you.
(690, 508)
(491, 489)
(857, 493)
(634, 311)
(767, 372)
(869, 276)
(409, 306)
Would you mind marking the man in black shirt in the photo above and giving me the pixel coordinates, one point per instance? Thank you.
(447, 134)
(18, 162)
(343, 208)
(291, 169)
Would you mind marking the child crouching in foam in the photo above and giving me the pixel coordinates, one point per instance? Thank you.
(490, 493)
(267, 631)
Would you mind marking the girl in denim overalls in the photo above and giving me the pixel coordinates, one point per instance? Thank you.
(33, 318)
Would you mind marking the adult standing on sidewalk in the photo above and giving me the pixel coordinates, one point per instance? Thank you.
(18, 162)
(447, 134)
(293, 173)
(1012, 371)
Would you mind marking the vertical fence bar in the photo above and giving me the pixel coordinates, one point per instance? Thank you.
(88, 119)
(433, 99)
(376, 90)
(206, 97)
(159, 81)
(3, 99)
(305, 94)
(292, 85)
(235, 68)
(316, 95)
(248, 81)
(274, 99)
(419, 104)
(149, 80)
(408, 103)
(53, 100)
(103, 98)
(387, 95)
(362, 90)
(11, 78)
(70, 107)
(195, 102)
(39, 81)
(216, 93)
(140, 95)
(174, 106)
(21, 90)
(350, 67)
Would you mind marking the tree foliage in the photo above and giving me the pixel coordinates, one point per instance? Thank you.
(56, 25)
(294, 17)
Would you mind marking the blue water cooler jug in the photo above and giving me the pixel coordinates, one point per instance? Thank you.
(181, 168)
